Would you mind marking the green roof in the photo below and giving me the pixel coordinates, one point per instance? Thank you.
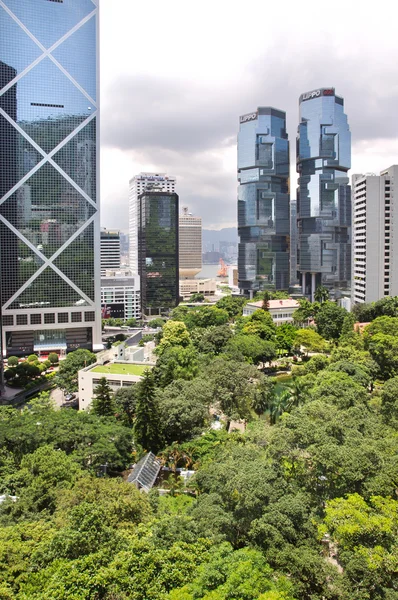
(121, 369)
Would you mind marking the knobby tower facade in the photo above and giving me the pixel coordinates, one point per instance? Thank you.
(323, 194)
(49, 215)
(263, 201)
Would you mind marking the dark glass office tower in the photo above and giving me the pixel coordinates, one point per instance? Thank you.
(158, 252)
(263, 201)
(49, 216)
(323, 195)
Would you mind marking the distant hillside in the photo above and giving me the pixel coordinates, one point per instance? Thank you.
(215, 236)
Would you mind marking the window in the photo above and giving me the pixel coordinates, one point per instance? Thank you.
(35, 319)
(264, 152)
(49, 318)
(89, 316)
(9, 319)
(63, 317)
(76, 317)
(22, 319)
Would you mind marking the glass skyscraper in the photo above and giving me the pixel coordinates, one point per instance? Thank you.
(263, 201)
(158, 251)
(49, 216)
(323, 195)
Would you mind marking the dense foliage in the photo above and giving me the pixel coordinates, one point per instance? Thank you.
(301, 506)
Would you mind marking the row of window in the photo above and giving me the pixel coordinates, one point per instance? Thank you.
(48, 318)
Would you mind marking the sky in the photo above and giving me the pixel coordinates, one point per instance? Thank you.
(175, 76)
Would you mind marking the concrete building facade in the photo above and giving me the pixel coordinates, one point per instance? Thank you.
(120, 294)
(374, 236)
(190, 245)
(110, 250)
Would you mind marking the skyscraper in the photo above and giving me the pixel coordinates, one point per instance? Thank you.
(159, 182)
(110, 250)
(190, 244)
(263, 201)
(323, 194)
(158, 251)
(374, 237)
(49, 216)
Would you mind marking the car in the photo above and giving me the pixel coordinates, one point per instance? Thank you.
(69, 397)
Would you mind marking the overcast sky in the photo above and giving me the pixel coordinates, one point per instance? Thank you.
(176, 75)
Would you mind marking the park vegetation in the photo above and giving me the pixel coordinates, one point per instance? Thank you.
(302, 505)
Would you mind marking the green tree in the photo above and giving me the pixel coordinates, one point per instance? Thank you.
(213, 339)
(176, 362)
(285, 336)
(197, 297)
(306, 311)
(12, 361)
(329, 320)
(126, 403)
(310, 340)
(53, 358)
(384, 351)
(67, 376)
(259, 323)
(103, 403)
(263, 396)
(184, 409)
(147, 425)
(389, 400)
(174, 333)
(253, 348)
(232, 304)
(266, 299)
(321, 294)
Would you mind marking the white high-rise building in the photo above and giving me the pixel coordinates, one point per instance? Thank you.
(374, 239)
(190, 244)
(159, 182)
(110, 250)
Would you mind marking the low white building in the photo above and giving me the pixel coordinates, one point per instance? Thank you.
(118, 375)
(120, 294)
(281, 311)
(207, 287)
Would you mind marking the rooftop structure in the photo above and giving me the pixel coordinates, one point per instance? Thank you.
(145, 472)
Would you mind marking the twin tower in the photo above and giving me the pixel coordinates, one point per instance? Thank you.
(315, 235)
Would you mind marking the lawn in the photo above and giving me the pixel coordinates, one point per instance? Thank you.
(120, 369)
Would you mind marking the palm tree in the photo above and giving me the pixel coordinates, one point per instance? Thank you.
(321, 294)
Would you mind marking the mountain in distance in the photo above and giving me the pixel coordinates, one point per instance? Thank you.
(215, 236)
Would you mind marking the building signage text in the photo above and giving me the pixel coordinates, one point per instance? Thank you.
(249, 117)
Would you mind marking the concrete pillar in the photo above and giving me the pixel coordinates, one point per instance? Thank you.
(313, 275)
(303, 274)
(251, 293)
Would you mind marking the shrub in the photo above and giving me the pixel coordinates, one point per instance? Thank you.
(33, 358)
(12, 361)
(53, 358)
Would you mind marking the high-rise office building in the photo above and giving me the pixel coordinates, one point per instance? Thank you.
(190, 244)
(49, 216)
(263, 201)
(110, 250)
(323, 194)
(158, 252)
(159, 182)
(293, 242)
(374, 238)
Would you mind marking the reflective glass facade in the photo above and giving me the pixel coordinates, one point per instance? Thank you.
(158, 251)
(263, 201)
(323, 195)
(49, 218)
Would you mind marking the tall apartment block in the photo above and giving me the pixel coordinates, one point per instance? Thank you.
(190, 244)
(323, 194)
(158, 252)
(159, 182)
(49, 214)
(110, 250)
(374, 238)
(263, 201)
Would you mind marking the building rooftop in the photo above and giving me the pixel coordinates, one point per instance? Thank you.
(121, 369)
(145, 472)
(275, 304)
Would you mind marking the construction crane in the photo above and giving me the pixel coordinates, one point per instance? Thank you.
(222, 271)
